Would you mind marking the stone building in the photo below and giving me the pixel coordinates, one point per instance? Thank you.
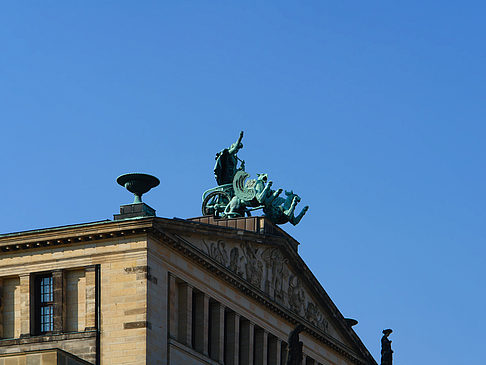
(141, 289)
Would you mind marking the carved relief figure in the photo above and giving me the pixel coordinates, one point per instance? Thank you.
(276, 273)
(235, 261)
(314, 316)
(253, 266)
(296, 295)
(280, 289)
(311, 313)
(217, 250)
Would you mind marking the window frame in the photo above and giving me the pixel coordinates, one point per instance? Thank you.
(44, 303)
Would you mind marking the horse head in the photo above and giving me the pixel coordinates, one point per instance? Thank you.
(263, 177)
(290, 194)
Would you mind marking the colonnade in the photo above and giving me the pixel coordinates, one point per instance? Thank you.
(217, 332)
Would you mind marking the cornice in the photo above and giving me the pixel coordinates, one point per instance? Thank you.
(70, 235)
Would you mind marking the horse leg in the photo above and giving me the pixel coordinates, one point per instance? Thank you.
(275, 194)
(261, 196)
(290, 212)
(296, 220)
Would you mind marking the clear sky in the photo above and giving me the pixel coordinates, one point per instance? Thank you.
(372, 111)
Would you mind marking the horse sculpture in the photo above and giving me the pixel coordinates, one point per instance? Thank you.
(280, 210)
(257, 193)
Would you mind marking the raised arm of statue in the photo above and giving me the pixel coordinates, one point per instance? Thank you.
(235, 147)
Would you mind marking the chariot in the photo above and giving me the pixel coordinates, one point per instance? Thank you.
(216, 200)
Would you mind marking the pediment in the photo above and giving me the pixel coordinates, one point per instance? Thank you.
(267, 268)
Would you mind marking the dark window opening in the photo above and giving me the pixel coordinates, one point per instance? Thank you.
(44, 300)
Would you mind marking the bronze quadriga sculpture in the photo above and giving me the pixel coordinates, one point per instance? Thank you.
(236, 196)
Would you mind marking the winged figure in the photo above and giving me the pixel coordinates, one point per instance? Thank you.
(257, 193)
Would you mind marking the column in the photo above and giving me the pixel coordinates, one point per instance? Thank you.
(173, 300)
(274, 350)
(278, 350)
(216, 323)
(59, 302)
(246, 342)
(261, 346)
(232, 338)
(1, 307)
(184, 314)
(90, 318)
(283, 352)
(201, 323)
(26, 310)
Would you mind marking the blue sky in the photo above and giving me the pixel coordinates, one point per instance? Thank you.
(373, 112)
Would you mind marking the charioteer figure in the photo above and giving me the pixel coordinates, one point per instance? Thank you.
(227, 161)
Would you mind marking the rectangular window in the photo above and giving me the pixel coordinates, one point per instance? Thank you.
(44, 298)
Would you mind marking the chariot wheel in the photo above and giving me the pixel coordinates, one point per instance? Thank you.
(215, 203)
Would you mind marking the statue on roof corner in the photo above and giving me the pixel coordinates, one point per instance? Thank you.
(295, 355)
(236, 197)
(386, 351)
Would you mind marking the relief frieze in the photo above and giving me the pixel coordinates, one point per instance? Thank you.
(267, 269)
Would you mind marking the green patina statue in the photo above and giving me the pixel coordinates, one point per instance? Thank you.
(227, 161)
(236, 196)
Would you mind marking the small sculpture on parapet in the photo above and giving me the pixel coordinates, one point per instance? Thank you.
(386, 351)
(235, 196)
(295, 354)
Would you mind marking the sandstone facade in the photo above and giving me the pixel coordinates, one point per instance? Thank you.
(167, 291)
